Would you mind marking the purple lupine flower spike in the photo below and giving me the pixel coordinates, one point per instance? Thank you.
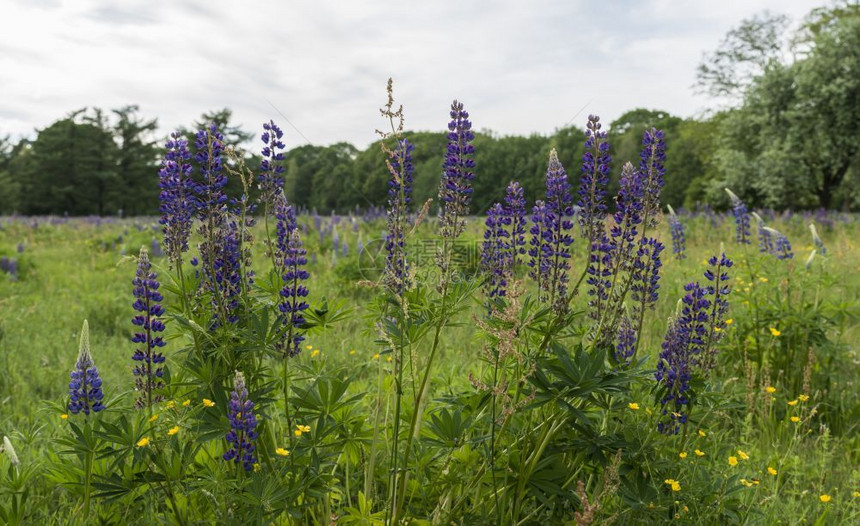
(689, 346)
(148, 372)
(677, 230)
(85, 387)
(742, 219)
(781, 246)
(243, 426)
(556, 237)
(455, 192)
(291, 258)
(496, 252)
(646, 278)
(592, 185)
(177, 197)
(625, 349)
(539, 268)
(211, 199)
(651, 160)
(270, 178)
(515, 209)
(765, 240)
(396, 276)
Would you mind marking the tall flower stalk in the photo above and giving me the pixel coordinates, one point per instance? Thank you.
(496, 256)
(85, 387)
(177, 198)
(515, 209)
(243, 426)
(148, 370)
(742, 219)
(291, 258)
(677, 230)
(400, 168)
(270, 179)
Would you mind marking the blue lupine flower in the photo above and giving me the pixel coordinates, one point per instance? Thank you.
(781, 246)
(539, 267)
(224, 281)
(645, 276)
(629, 206)
(291, 258)
(211, 199)
(515, 209)
(148, 372)
(270, 179)
(676, 228)
(765, 239)
(455, 192)
(625, 349)
(496, 252)
(742, 219)
(85, 388)
(177, 197)
(689, 346)
(399, 196)
(651, 160)
(555, 234)
(592, 184)
(243, 426)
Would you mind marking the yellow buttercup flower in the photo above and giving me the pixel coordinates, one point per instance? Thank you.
(702, 433)
(746, 483)
(795, 419)
(633, 405)
(186, 403)
(64, 416)
(825, 498)
(208, 403)
(803, 397)
(733, 461)
(771, 470)
(172, 431)
(699, 453)
(306, 429)
(282, 452)
(763, 279)
(742, 455)
(792, 402)
(682, 454)
(153, 418)
(171, 404)
(297, 432)
(376, 356)
(770, 389)
(857, 494)
(315, 353)
(143, 442)
(774, 331)
(257, 467)
(729, 321)
(352, 352)
(674, 484)
(309, 347)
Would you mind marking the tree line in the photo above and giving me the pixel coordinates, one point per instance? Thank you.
(787, 135)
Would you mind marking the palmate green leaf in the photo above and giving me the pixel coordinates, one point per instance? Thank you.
(326, 315)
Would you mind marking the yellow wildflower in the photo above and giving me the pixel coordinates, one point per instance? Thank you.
(763, 279)
(702, 433)
(733, 461)
(172, 431)
(755, 481)
(143, 442)
(389, 358)
(376, 356)
(699, 453)
(282, 452)
(257, 467)
(729, 321)
(309, 347)
(792, 402)
(803, 397)
(315, 353)
(208, 403)
(771, 470)
(675, 485)
(682, 454)
(746, 483)
(648, 411)
(306, 429)
(153, 418)
(633, 405)
(171, 404)
(825, 498)
(64, 416)
(297, 432)
(770, 389)
(351, 352)
(742, 455)
(774, 331)
(857, 494)
(186, 403)
(795, 419)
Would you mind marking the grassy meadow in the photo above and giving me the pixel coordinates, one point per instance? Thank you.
(774, 439)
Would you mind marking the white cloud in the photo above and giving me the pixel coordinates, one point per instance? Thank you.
(520, 67)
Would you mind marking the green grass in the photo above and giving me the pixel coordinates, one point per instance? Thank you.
(78, 270)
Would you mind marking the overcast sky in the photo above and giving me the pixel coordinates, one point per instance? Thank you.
(519, 66)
